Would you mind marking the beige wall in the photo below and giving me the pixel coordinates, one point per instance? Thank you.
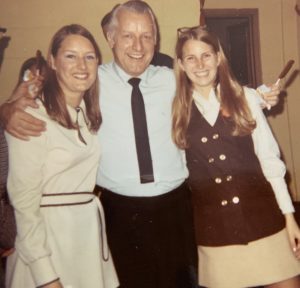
(31, 23)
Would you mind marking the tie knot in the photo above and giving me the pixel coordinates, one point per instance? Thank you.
(134, 82)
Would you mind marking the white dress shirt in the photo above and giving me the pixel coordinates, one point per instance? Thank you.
(119, 170)
(265, 146)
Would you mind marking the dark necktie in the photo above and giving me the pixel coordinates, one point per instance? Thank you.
(141, 132)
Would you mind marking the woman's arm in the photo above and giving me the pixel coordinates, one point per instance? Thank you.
(268, 153)
(25, 179)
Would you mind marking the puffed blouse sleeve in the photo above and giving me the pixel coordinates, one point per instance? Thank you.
(25, 177)
(268, 153)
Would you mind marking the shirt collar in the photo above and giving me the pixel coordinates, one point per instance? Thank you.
(125, 77)
(206, 104)
(73, 112)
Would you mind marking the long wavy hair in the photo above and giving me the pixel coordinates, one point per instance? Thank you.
(53, 96)
(229, 92)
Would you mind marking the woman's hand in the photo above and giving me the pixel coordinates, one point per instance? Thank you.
(293, 233)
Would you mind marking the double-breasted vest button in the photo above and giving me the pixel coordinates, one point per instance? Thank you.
(222, 157)
(215, 136)
(135, 216)
(228, 178)
(211, 160)
(218, 180)
(224, 202)
(204, 139)
(235, 200)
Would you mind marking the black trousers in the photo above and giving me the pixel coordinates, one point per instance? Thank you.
(152, 239)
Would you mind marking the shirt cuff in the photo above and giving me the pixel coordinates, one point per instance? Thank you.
(282, 195)
(43, 271)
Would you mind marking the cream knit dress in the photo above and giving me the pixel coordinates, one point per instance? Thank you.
(66, 242)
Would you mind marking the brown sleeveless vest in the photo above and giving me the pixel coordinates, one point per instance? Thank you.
(233, 202)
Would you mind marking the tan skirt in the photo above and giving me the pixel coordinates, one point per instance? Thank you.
(261, 262)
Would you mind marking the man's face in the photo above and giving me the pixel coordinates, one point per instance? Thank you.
(133, 42)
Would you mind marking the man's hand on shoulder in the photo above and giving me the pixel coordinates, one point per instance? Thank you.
(19, 123)
(269, 95)
(30, 89)
(15, 120)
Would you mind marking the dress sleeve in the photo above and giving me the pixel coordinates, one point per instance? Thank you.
(268, 153)
(25, 177)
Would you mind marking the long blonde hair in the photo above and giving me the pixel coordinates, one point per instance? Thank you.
(230, 93)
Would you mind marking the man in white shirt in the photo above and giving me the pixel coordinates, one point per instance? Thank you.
(148, 224)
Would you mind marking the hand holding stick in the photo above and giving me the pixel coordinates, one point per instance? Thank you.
(265, 89)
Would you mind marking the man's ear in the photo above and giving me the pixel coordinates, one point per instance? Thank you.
(110, 39)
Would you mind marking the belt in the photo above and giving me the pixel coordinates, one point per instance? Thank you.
(79, 198)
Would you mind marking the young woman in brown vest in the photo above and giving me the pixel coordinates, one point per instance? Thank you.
(246, 232)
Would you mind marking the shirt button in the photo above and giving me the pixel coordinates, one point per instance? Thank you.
(224, 202)
(215, 136)
(235, 200)
(211, 160)
(218, 180)
(203, 139)
(222, 157)
(229, 178)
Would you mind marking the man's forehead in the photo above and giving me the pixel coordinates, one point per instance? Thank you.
(137, 27)
(130, 17)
